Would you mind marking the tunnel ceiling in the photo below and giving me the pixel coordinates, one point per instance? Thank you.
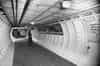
(25, 11)
(37, 11)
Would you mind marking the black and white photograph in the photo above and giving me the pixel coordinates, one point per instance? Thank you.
(49, 33)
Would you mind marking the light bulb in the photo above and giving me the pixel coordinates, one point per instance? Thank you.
(32, 23)
(66, 4)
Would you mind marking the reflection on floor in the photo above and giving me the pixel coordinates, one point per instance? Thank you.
(36, 56)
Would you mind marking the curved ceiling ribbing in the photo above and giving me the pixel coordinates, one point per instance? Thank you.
(36, 9)
(25, 11)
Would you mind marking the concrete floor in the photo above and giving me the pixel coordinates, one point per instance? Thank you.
(36, 56)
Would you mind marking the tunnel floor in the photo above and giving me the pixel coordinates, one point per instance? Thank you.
(36, 56)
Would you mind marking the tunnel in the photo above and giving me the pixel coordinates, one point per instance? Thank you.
(67, 28)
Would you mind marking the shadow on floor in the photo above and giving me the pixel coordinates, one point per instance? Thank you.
(36, 56)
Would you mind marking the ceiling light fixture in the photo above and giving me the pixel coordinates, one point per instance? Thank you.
(66, 4)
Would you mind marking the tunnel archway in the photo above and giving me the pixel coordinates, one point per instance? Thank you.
(50, 12)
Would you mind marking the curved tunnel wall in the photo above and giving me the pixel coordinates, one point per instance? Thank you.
(79, 42)
(76, 39)
(6, 45)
